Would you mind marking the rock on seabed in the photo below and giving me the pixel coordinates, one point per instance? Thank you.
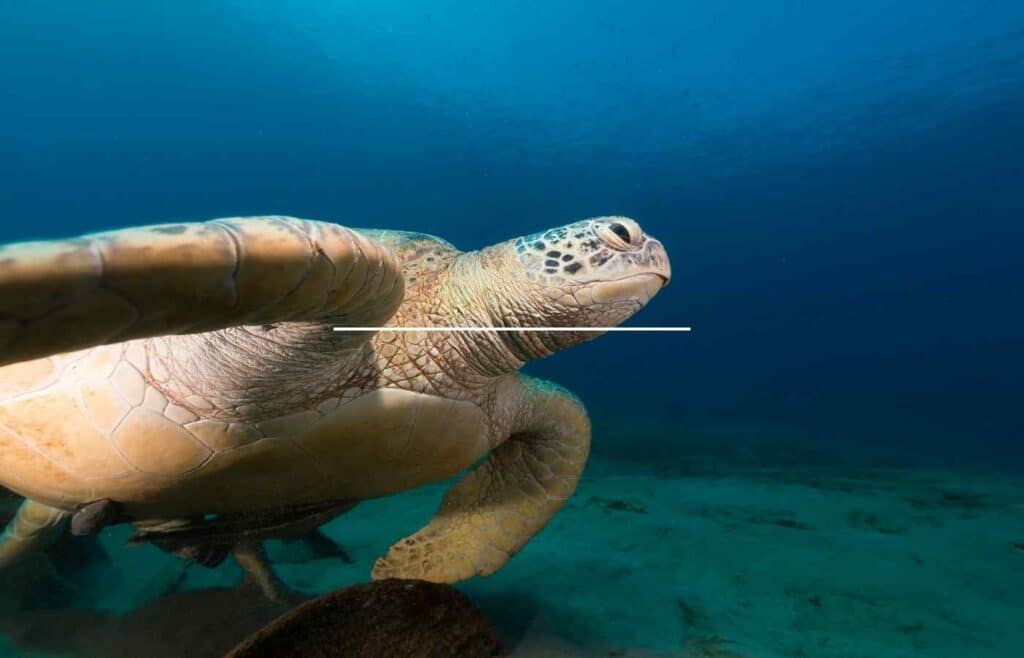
(385, 619)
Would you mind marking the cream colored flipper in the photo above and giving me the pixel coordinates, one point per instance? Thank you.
(32, 529)
(495, 509)
(109, 287)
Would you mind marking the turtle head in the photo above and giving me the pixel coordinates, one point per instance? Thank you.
(601, 270)
(593, 273)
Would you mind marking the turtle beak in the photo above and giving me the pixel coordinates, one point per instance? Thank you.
(657, 260)
(654, 284)
(649, 273)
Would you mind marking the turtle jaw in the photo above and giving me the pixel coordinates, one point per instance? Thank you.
(590, 307)
(609, 302)
(636, 287)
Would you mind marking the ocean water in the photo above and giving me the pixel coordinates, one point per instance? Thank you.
(829, 464)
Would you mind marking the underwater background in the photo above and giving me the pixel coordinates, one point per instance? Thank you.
(839, 186)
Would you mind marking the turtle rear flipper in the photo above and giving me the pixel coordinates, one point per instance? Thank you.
(282, 523)
(33, 528)
(66, 295)
(209, 541)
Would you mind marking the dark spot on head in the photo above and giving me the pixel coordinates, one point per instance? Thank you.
(430, 259)
(538, 245)
(554, 254)
(551, 262)
(567, 257)
(549, 270)
(574, 268)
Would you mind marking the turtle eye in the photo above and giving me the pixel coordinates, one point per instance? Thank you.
(618, 235)
(621, 231)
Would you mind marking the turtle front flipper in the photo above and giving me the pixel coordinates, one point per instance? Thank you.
(497, 508)
(33, 529)
(109, 287)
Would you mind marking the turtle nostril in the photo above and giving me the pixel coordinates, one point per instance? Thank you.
(621, 231)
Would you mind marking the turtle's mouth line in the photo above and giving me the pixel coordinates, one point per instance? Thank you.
(663, 279)
(639, 287)
(652, 281)
(645, 275)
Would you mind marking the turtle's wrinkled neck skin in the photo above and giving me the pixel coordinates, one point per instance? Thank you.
(594, 273)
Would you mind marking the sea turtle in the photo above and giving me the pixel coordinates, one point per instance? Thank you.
(187, 378)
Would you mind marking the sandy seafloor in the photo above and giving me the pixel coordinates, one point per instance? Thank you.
(760, 550)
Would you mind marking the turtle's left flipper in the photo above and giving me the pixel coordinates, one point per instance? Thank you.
(32, 529)
(253, 560)
(494, 510)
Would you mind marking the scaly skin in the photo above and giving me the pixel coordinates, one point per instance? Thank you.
(238, 419)
(494, 510)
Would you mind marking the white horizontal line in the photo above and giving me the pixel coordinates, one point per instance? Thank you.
(508, 329)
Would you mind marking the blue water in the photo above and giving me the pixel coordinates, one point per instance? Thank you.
(839, 185)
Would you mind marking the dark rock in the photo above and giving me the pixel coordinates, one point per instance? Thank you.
(736, 517)
(385, 619)
(617, 505)
(868, 521)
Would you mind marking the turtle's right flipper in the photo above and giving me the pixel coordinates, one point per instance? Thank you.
(494, 510)
(66, 295)
(32, 529)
